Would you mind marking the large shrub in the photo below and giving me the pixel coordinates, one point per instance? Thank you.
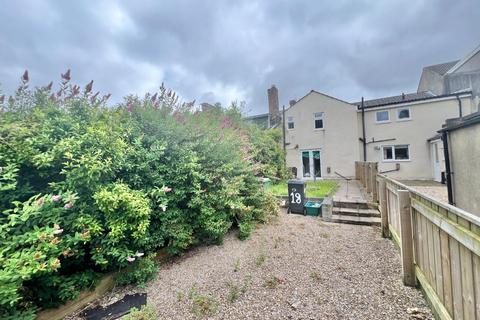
(86, 188)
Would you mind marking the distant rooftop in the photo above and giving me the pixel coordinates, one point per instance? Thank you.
(442, 68)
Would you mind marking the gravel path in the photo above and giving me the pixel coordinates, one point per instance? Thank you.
(295, 268)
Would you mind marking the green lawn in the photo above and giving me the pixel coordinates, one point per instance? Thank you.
(317, 189)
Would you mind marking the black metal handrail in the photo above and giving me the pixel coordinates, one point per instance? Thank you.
(342, 176)
(345, 178)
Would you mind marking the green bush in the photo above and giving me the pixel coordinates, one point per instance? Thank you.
(147, 312)
(142, 272)
(86, 189)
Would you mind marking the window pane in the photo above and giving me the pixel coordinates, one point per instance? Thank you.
(401, 153)
(382, 116)
(387, 153)
(291, 125)
(316, 163)
(318, 124)
(318, 115)
(306, 163)
(404, 114)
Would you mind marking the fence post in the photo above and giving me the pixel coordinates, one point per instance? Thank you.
(369, 178)
(406, 238)
(374, 181)
(382, 192)
(364, 175)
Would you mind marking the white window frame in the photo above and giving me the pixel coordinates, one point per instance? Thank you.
(321, 117)
(393, 153)
(288, 123)
(409, 114)
(382, 121)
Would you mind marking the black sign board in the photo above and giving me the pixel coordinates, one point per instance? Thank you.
(296, 196)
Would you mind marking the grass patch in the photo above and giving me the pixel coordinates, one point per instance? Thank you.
(204, 306)
(272, 282)
(314, 189)
(147, 312)
(314, 275)
(261, 259)
(236, 265)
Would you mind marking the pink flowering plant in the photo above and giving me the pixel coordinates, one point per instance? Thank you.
(88, 188)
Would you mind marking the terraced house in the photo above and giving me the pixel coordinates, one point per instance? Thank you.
(324, 135)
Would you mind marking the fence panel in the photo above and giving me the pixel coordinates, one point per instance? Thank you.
(446, 251)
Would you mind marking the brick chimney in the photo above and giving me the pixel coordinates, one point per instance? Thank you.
(273, 102)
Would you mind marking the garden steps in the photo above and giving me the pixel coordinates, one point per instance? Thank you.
(366, 221)
(353, 203)
(356, 212)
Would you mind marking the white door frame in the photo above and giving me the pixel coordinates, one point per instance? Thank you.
(435, 156)
(312, 169)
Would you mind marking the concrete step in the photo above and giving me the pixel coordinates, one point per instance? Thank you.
(353, 203)
(364, 221)
(356, 212)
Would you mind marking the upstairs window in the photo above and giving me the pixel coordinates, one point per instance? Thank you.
(396, 153)
(290, 123)
(318, 117)
(382, 116)
(403, 114)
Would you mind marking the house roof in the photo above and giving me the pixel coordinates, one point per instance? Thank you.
(442, 68)
(457, 123)
(463, 61)
(317, 92)
(405, 98)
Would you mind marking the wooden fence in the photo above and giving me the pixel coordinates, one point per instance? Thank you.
(366, 173)
(439, 245)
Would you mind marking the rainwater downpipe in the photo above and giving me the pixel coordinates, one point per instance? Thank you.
(460, 111)
(448, 170)
(363, 129)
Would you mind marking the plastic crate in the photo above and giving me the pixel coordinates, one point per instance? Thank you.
(313, 208)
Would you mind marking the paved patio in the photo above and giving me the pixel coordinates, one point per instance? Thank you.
(431, 188)
(349, 191)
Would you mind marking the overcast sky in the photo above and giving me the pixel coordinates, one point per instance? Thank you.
(234, 50)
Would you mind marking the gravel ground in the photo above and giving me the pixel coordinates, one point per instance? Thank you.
(295, 268)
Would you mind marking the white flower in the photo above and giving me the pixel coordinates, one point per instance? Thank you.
(164, 208)
(139, 254)
(58, 231)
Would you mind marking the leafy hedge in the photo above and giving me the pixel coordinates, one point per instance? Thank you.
(86, 188)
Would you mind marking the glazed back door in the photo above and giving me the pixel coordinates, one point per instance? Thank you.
(311, 164)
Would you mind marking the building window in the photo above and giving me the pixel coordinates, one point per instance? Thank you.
(396, 153)
(318, 117)
(382, 116)
(403, 114)
(290, 123)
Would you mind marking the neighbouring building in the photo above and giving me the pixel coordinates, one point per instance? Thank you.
(453, 76)
(461, 139)
(399, 132)
(325, 135)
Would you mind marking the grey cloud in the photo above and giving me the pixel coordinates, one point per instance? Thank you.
(220, 51)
